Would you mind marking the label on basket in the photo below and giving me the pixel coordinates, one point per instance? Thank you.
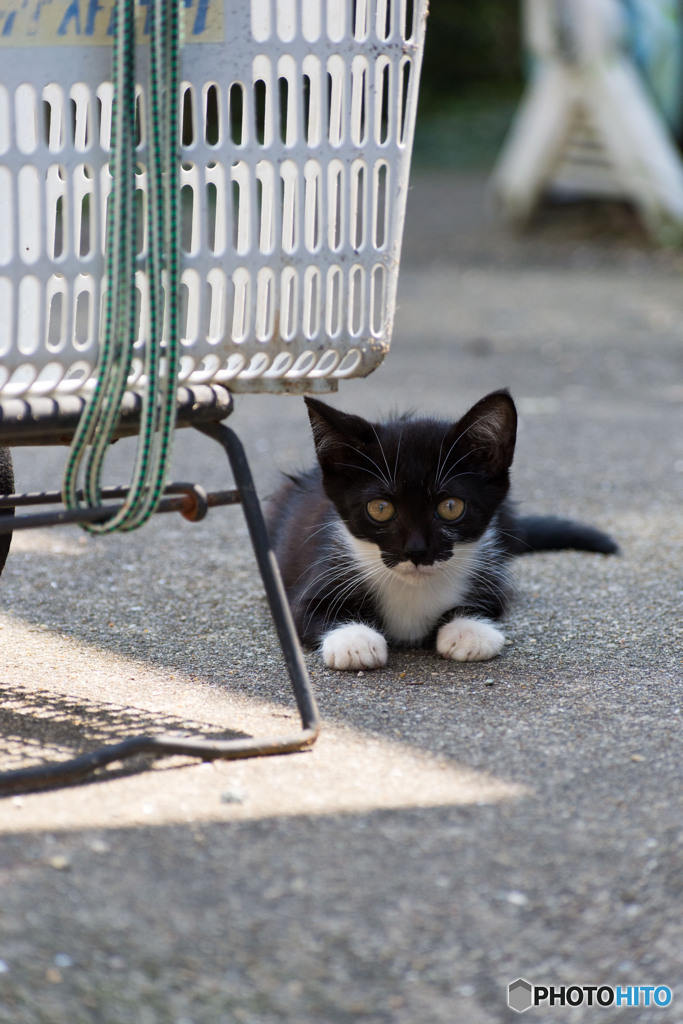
(89, 22)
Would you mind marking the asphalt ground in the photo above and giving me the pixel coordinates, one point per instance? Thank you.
(456, 827)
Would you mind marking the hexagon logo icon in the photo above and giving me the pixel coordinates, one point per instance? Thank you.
(520, 996)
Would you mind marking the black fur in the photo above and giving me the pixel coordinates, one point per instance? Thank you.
(415, 464)
(549, 533)
(6, 487)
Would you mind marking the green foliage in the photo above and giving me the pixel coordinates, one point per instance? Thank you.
(465, 131)
(470, 43)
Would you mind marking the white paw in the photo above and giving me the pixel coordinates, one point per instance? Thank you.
(469, 640)
(354, 646)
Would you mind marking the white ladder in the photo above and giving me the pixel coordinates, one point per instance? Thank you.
(586, 125)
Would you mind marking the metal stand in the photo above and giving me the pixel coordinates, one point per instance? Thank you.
(78, 768)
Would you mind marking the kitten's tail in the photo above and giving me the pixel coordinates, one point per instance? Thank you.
(549, 533)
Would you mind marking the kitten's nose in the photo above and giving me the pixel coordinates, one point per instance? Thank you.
(415, 549)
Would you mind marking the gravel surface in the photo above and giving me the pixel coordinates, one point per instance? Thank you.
(456, 826)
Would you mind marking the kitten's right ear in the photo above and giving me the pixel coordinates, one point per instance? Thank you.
(335, 433)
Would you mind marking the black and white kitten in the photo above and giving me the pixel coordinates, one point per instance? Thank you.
(403, 534)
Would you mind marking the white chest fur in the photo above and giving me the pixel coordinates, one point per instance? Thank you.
(412, 601)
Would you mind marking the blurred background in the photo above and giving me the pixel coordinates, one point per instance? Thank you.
(472, 79)
(475, 67)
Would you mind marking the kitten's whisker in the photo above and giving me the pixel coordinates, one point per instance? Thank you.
(450, 476)
(326, 525)
(365, 455)
(456, 442)
(382, 451)
(398, 450)
(318, 591)
(335, 600)
(492, 576)
(364, 469)
(342, 593)
(517, 539)
(328, 574)
(449, 472)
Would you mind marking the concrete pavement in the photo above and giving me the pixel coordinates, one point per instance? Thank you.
(457, 826)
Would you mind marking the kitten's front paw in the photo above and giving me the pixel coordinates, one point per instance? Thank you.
(354, 646)
(469, 640)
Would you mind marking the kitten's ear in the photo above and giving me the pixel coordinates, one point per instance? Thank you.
(336, 434)
(489, 430)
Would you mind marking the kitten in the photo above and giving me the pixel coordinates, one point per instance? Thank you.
(403, 534)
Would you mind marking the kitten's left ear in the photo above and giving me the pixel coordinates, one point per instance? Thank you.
(335, 433)
(489, 430)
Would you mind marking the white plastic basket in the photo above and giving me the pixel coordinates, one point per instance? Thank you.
(297, 122)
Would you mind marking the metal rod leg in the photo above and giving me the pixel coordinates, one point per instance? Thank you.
(67, 772)
(270, 572)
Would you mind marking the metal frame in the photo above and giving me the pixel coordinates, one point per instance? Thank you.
(76, 769)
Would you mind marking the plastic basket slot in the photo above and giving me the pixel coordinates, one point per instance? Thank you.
(56, 295)
(190, 306)
(5, 121)
(236, 114)
(287, 100)
(26, 119)
(280, 365)
(333, 305)
(359, 100)
(211, 109)
(349, 363)
(312, 100)
(29, 195)
(187, 115)
(335, 211)
(336, 99)
(358, 203)
(30, 311)
(289, 304)
(357, 298)
(312, 302)
(84, 204)
(266, 200)
(378, 283)
(82, 114)
(241, 306)
(405, 69)
(384, 99)
(263, 100)
(55, 220)
(216, 306)
(7, 318)
(380, 204)
(266, 299)
(360, 19)
(289, 205)
(313, 211)
(325, 365)
(85, 308)
(7, 208)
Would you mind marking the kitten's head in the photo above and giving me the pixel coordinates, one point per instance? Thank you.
(417, 487)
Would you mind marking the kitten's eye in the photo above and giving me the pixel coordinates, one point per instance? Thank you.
(450, 509)
(380, 510)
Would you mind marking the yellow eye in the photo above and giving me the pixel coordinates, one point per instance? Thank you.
(450, 509)
(380, 510)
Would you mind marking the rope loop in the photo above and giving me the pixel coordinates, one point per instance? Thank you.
(119, 322)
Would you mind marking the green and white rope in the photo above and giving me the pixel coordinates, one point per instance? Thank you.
(98, 421)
